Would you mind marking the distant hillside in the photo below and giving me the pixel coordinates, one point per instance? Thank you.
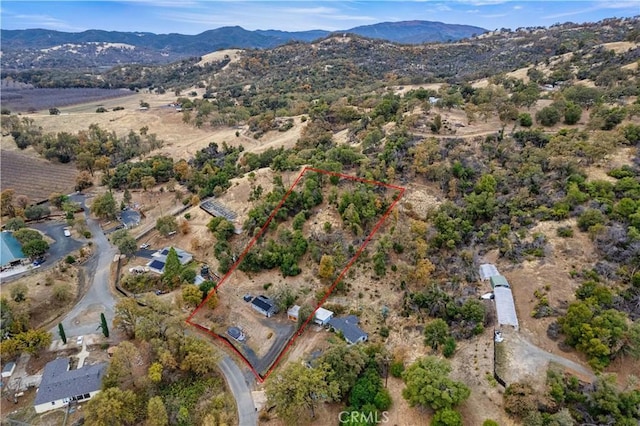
(47, 49)
(416, 32)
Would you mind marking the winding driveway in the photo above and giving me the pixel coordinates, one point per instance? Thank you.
(84, 318)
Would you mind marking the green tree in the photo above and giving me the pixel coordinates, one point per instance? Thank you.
(155, 372)
(147, 182)
(127, 313)
(326, 269)
(428, 385)
(111, 407)
(172, 269)
(191, 295)
(446, 417)
(126, 197)
(14, 224)
(345, 363)
(125, 242)
(33, 341)
(548, 116)
(572, 113)
(589, 218)
(166, 225)
(104, 206)
(298, 387)
(200, 358)
(157, 412)
(36, 212)
(103, 325)
(436, 333)
(62, 334)
(35, 248)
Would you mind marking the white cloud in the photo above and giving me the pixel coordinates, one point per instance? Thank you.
(40, 21)
(600, 5)
(517, 7)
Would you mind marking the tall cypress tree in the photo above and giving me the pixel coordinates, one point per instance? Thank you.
(63, 336)
(103, 325)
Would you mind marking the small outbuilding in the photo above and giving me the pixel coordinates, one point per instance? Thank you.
(293, 313)
(488, 270)
(8, 369)
(499, 281)
(322, 316)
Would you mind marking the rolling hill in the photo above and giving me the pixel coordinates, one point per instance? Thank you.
(47, 49)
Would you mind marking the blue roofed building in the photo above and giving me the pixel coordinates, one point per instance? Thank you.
(10, 249)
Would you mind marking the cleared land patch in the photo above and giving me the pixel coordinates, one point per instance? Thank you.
(319, 196)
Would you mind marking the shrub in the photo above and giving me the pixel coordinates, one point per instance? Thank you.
(70, 259)
(101, 109)
(396, 368)
(525, 119)
(564, 232)
(589, 218)
(548, 116)
(449, 347)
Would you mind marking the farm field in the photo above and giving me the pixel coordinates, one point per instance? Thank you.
(34, 99)
(34, 177)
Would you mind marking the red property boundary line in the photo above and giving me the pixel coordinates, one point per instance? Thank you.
(253, 241)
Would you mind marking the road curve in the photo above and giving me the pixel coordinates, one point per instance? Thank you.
(241, 391)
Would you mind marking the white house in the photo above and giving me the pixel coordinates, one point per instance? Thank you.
(59, 385)
(322, 316)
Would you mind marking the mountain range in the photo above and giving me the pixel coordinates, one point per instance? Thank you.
(39, 48)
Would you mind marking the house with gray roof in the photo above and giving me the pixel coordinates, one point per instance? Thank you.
(60, 386)
(349, 328)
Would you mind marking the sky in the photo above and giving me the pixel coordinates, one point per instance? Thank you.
(196, 16)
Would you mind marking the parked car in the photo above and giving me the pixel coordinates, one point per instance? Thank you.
(67, 233)
(144, 246)
(79, 340)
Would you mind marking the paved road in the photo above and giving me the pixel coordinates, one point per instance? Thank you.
(84, 318)
(241, 391)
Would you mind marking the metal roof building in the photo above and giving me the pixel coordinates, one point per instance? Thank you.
(499, 281)
(505, 307)
(488, 270)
